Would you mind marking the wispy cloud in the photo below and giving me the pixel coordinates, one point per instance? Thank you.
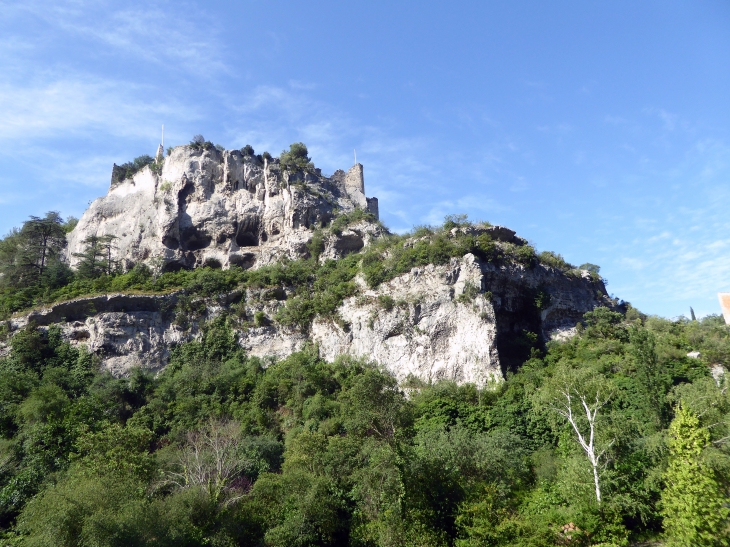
(682, 256)
(153, 33)
(668, 119)
(82, 105)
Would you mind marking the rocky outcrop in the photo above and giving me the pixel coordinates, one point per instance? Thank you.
(468, 321)
(208, 206)
(352, 239)
(419, 325)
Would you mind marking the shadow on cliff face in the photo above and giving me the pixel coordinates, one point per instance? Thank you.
(519, 327)
(194, 239)
(248, 231)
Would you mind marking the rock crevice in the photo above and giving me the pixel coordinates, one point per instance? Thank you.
(208, 205)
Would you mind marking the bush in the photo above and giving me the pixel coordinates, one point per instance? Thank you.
(198, 142)
(128, 170)
(554, 260)
(296, 158)
(525, 255)
(455, 221)
(593, 268)
(247, 150)
(316, 245)
(259, 319)
(344, 220)
(470, 293)
(386, 302)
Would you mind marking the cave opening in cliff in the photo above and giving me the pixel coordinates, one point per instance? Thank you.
(247, 234)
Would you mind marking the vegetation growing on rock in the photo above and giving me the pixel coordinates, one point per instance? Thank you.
(611, 437)
(226, 449)
(318, 287)
(129, 169)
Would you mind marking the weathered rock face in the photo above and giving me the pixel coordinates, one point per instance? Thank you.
(417, 325)
(218, 207)
(465, 321)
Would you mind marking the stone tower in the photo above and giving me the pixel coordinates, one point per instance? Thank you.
(355, 189)
(355, 186)
(161, 149)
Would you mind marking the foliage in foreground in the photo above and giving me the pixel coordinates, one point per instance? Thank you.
(225, 449)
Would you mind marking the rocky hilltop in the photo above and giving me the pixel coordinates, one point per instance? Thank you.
(469, 313)
(220, 207)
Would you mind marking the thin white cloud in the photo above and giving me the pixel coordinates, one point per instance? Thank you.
(669, 120)
(306, 86)
(65, 106)
(158, 35)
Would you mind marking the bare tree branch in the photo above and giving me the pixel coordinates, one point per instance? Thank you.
(586, 439)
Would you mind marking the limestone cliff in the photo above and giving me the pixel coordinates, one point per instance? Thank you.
(469, 320)
(208, 206)
(462, 321)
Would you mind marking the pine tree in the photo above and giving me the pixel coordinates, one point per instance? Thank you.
(97, 259)
(26, 254)
(92, 262)
(45, 238)
(692, 502)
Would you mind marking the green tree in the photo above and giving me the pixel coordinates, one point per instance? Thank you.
(45, 237)
(296, 158)
(96, 258)
(9, 255)
(692, 503)
(26, 254)
(107, 245)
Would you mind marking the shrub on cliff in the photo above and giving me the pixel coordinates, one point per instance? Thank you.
(554, 260)
(296, 158)
(198, 142)
(128, 170)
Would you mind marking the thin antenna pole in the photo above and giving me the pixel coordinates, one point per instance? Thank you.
(355, 151)
(163, 136)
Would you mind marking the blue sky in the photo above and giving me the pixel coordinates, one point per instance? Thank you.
(599, 130)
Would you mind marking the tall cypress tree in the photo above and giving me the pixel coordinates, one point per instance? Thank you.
(692, 502)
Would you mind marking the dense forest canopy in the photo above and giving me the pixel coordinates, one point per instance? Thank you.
(226, 449)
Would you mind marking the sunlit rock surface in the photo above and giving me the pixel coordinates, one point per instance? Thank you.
(223, 208)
